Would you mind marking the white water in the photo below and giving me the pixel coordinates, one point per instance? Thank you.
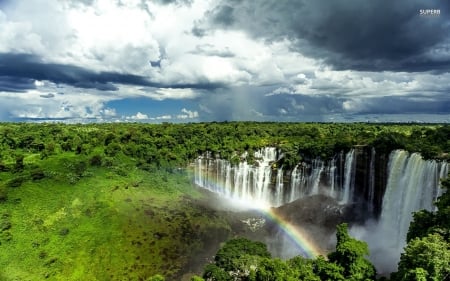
(349, 178)
(412, 184)
(244, 181)
(264, 183)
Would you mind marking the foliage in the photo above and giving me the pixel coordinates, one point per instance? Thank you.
(328, 270)
(236, 248)
(274, 269)
(214, 273)
(172, 145)
(157, 277)
(350, 255)
(242, 259)
(426, 258)
(426, 222)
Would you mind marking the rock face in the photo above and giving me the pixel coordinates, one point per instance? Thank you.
(317, 209)
(317, 216)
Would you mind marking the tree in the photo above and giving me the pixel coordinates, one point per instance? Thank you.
(328, 270)
(304, 268)
(426, 258)
(214, 273)
(350, 255)
(274, 270)
(426, 222)
(236, 248)
(156, 277)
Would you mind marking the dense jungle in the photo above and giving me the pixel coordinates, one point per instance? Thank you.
(119, 202)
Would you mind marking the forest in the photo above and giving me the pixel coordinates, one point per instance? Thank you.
(117, 202)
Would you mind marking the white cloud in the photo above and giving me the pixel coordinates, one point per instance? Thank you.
(164, 117)
(187, 114)
(138, 116)
(49, 101)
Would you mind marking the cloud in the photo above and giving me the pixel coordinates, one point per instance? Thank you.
(138, 116)
(47, 96)
(359, 35)
(293, 60)
(24, 67)
(210, 50)
(16, 84)
(188, 114)
(164, 117)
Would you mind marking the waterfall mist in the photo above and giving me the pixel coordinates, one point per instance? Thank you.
(375, 193)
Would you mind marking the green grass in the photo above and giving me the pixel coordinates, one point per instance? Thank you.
(117, 223)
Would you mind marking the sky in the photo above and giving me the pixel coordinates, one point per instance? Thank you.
(224, 60)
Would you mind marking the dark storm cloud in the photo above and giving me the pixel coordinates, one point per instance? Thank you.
(47, 96)
(352, 34)
(15, 84)
(439, 104)
(248, 103)
(232, 104)
(24, 68)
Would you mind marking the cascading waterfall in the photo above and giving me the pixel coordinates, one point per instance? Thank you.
(314, 178)
(413, 184)
(371, 195)
(279, 187)
(349, 178)
(265, 183)
(244, 181)
(255, 183)
(331, 175)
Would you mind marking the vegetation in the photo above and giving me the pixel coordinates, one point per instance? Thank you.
(175, 145)
(114, 201)
(249, 261)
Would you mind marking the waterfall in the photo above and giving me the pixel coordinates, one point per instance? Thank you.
(279, 188)
(413, 184)
(331, 175)
(349, 177)
(371, 195)
(314, 178)
(264, 182)
(254, 182)
(244, 181)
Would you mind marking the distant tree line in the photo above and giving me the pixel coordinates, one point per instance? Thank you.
(175, 145)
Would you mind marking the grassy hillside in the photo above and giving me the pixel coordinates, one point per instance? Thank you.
(104, 223)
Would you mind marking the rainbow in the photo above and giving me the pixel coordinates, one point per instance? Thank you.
(305, 244)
